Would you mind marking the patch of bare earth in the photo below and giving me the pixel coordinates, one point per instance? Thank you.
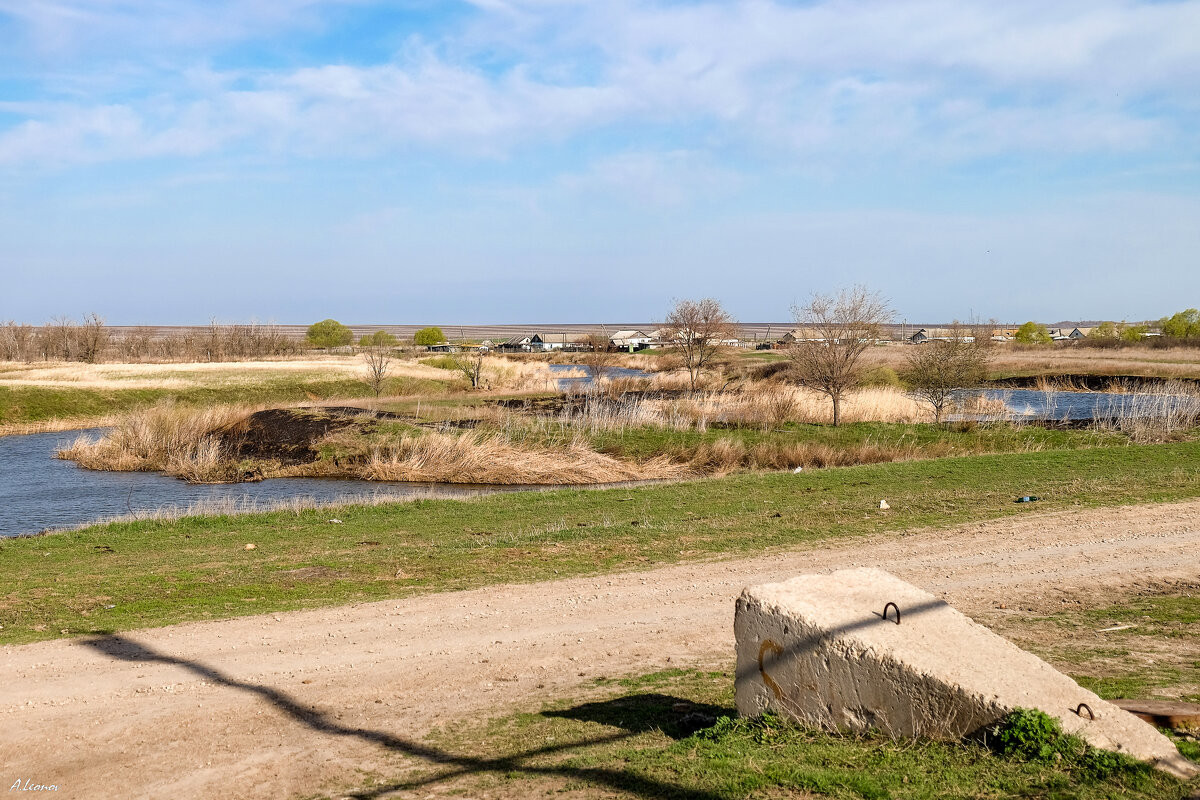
(294, 704)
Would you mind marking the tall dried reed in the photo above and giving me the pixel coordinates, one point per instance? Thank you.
(762, 405)
(164, 438)
(1153, 414)
(484, 458)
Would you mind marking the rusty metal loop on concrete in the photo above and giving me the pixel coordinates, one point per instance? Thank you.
(1079, 711)
(776, 651)
(892, 605)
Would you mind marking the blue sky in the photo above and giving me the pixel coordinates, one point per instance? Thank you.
(170, 161)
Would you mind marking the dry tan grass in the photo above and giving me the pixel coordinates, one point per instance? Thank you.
(1155, 415)
(180, 442)
(1178, 362)
(504, 374)
(493, 459)
(165, 438)
(55, 425)
(183, 376)
(728, 455)
(761, 405)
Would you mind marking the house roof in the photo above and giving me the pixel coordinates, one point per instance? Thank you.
(562, 338)
(629, 335)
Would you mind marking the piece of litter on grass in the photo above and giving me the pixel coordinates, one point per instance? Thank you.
(336, 521)
(883, 505)
(1027, 499)
(797, 470)
(251, 547)
(109, 608)
(1116, 628)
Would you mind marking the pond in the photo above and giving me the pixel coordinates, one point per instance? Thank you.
(566, 384)
(39, 492)
(1034, 404)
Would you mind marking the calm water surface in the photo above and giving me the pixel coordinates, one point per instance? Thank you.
(40, 492)
(564, 384)
(1039, 405)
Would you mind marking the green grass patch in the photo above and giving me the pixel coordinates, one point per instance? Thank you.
(20, 404)
(159, 572)
(640, 443)
(1158, 657)
(675, 735)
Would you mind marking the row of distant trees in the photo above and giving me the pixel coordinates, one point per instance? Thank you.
(89, 340)
(329, 334)
(1179, 327)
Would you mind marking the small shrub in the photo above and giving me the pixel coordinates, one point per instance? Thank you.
(761, 729)
(1032, 735)
(1029, 735)
(441, 362)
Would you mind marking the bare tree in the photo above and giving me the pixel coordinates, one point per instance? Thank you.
(470, 364)
(92, 337)
(599, 357)
(696, 329)
(833, 332)
(938, 369)
(378, 359)
(16, 341)
(58, 339)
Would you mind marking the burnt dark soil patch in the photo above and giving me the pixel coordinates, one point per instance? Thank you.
(288, 435)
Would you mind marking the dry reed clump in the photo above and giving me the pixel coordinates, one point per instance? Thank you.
(523, 376)
(729, 455)
(763, 406)
(491, 459)
(1156, 414)
(165, 438)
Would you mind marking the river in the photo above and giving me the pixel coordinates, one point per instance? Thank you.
(39, 492)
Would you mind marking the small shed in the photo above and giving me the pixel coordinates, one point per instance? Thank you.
(518, 343)
(630, 338)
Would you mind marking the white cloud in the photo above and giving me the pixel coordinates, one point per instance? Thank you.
(930, 80)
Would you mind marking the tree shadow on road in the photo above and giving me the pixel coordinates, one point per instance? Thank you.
(639, 713)
(454, 765)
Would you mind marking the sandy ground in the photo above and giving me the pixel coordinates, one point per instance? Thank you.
(294, 704)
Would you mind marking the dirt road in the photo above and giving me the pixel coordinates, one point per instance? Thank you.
(294, 704)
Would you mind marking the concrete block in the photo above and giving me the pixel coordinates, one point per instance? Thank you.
(818, 649)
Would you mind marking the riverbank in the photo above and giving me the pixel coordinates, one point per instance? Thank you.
(63, 396)
(139, 574)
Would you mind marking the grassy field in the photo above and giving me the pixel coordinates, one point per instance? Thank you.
(1157, 653)
(74, 395)
(1064, 359)
(662, 735)
(139, 574)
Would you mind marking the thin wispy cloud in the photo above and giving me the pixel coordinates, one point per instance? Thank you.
(624, 104)
(959, 80)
